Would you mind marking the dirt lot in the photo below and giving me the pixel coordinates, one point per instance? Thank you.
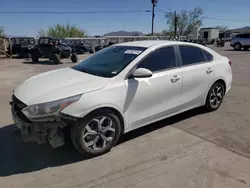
(193, 149)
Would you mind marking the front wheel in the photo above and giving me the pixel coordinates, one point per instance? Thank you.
(97, 133)
(237, 46)
(215, 96)
(56, 59)
(74, 58)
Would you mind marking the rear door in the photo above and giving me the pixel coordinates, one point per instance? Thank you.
(247, 40)
(197, 72)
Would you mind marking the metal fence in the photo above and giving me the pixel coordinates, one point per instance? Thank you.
(117, 39)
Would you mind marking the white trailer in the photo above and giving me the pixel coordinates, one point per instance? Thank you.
(210, 34)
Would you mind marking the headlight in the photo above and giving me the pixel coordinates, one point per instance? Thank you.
(49, 109)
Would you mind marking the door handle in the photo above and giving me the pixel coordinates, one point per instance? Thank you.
(175, 78)
(209, 70)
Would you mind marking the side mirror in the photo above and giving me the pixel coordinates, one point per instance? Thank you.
(142, 73)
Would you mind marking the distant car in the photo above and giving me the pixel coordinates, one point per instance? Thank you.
(241, 41)
(100, 47)
(119, 89)
(21, 46)
(81, 48)
(54, 49)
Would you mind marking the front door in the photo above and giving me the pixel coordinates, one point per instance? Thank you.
(46, 47)
(150, 99)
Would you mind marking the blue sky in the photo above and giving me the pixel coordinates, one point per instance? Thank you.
(98, 24)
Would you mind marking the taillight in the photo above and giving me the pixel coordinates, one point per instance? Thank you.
(230, 63)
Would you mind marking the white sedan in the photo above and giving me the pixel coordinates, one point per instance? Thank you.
(119, 89)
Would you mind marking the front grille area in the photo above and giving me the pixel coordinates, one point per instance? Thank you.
(17, 106)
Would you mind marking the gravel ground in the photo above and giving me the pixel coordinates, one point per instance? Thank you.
(193, 149)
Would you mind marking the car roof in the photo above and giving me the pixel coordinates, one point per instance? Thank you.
(150, 43)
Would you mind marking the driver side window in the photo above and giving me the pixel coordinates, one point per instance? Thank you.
(160, 59)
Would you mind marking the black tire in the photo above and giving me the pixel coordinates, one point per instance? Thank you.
(34, 57)
(74, 58)
(78, 129)
(56, 59)
(208, 105)
(237, 46)
(246, 48)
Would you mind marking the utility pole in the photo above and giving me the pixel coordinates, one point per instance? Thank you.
(153, 15)
(175, 24)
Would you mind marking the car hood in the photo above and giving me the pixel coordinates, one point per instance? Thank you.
(57, 84)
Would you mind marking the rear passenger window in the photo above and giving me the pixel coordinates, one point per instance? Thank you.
(191, 55)
(208, 56)
(245, 36)
(160, 59)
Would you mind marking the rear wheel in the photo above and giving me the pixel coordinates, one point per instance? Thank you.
(215, 96)
(56, 59)
(237, 46)
(74, 58)
(35, 57)
(97, 133)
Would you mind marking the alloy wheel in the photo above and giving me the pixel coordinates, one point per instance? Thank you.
(216, 96)
(98, 133)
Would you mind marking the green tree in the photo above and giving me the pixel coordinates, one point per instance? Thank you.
(185, 21)
(62, 31)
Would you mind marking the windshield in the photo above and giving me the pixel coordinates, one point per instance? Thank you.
(109, 61)
(27, 41)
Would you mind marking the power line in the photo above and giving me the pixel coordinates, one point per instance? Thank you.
(75, 12)
(208, 18)
(160, 10)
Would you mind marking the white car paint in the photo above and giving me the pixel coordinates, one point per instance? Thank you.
(140, 101)
(58, 84)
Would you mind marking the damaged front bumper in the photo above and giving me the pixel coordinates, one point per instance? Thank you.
(40, 132)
